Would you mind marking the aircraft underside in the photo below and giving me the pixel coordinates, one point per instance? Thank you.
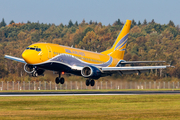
(61, 68)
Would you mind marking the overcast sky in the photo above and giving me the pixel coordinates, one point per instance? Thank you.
(104, 11)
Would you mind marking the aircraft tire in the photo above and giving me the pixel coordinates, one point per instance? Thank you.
(92, 82)
(34, 74)
(87, 82)
(62, 80)
(57, 80)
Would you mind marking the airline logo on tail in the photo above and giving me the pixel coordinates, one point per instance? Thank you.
(121, 44)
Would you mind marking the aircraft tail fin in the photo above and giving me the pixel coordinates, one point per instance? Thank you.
(119, 46)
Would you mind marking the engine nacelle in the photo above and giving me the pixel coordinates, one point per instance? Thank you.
(91, 72)
(33, 69)
(29, 68)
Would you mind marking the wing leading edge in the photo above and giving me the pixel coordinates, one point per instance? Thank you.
(15, 58)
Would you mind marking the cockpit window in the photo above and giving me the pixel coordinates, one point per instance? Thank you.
(38, 49)
(31, 48)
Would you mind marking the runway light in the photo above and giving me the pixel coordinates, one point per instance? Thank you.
(62, 73)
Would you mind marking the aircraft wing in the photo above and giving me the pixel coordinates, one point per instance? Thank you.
(133, 62)
(15, 58)
(133, 69)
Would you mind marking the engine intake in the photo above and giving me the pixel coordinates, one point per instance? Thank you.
(29, 68)
(32, 69)
(91, 72)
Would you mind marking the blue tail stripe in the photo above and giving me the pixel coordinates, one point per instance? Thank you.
(123, 44)
(121, 41)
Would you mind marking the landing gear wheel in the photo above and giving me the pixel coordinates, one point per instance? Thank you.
(34, 74)
(57, 80)
(62, 80)
(87, 82)
(92, 82)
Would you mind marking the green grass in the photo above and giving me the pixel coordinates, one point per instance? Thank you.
(143, 107)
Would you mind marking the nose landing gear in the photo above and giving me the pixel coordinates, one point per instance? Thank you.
(90, 82)
(35, 74)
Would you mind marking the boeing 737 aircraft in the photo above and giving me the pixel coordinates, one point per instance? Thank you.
(39, 57)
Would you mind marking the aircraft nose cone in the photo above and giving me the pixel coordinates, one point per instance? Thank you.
(24, 56)
(31, 57)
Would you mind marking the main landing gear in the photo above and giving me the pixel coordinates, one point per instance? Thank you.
(90, 82)
(59, 79)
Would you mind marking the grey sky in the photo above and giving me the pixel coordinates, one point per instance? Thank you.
(104, 11)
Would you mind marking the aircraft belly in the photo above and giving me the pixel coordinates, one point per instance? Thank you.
(55, 67)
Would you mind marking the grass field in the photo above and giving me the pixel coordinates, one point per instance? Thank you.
(132, 107)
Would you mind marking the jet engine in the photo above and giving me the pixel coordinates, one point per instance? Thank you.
(91, 72)
(31, 69)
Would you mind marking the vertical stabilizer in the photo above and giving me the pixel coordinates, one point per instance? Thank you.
(119, 46)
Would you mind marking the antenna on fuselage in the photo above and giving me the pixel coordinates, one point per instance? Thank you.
(72, 46)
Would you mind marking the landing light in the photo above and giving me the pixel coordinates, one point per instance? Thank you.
(62, 73)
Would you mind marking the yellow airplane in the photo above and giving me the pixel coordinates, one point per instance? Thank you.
(39, 57)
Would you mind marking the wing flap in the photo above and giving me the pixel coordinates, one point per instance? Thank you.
(14, 58)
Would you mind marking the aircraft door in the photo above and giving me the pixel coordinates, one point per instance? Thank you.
(50, 52)
(40, 56)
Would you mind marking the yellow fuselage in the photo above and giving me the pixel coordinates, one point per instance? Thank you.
(49, 51)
